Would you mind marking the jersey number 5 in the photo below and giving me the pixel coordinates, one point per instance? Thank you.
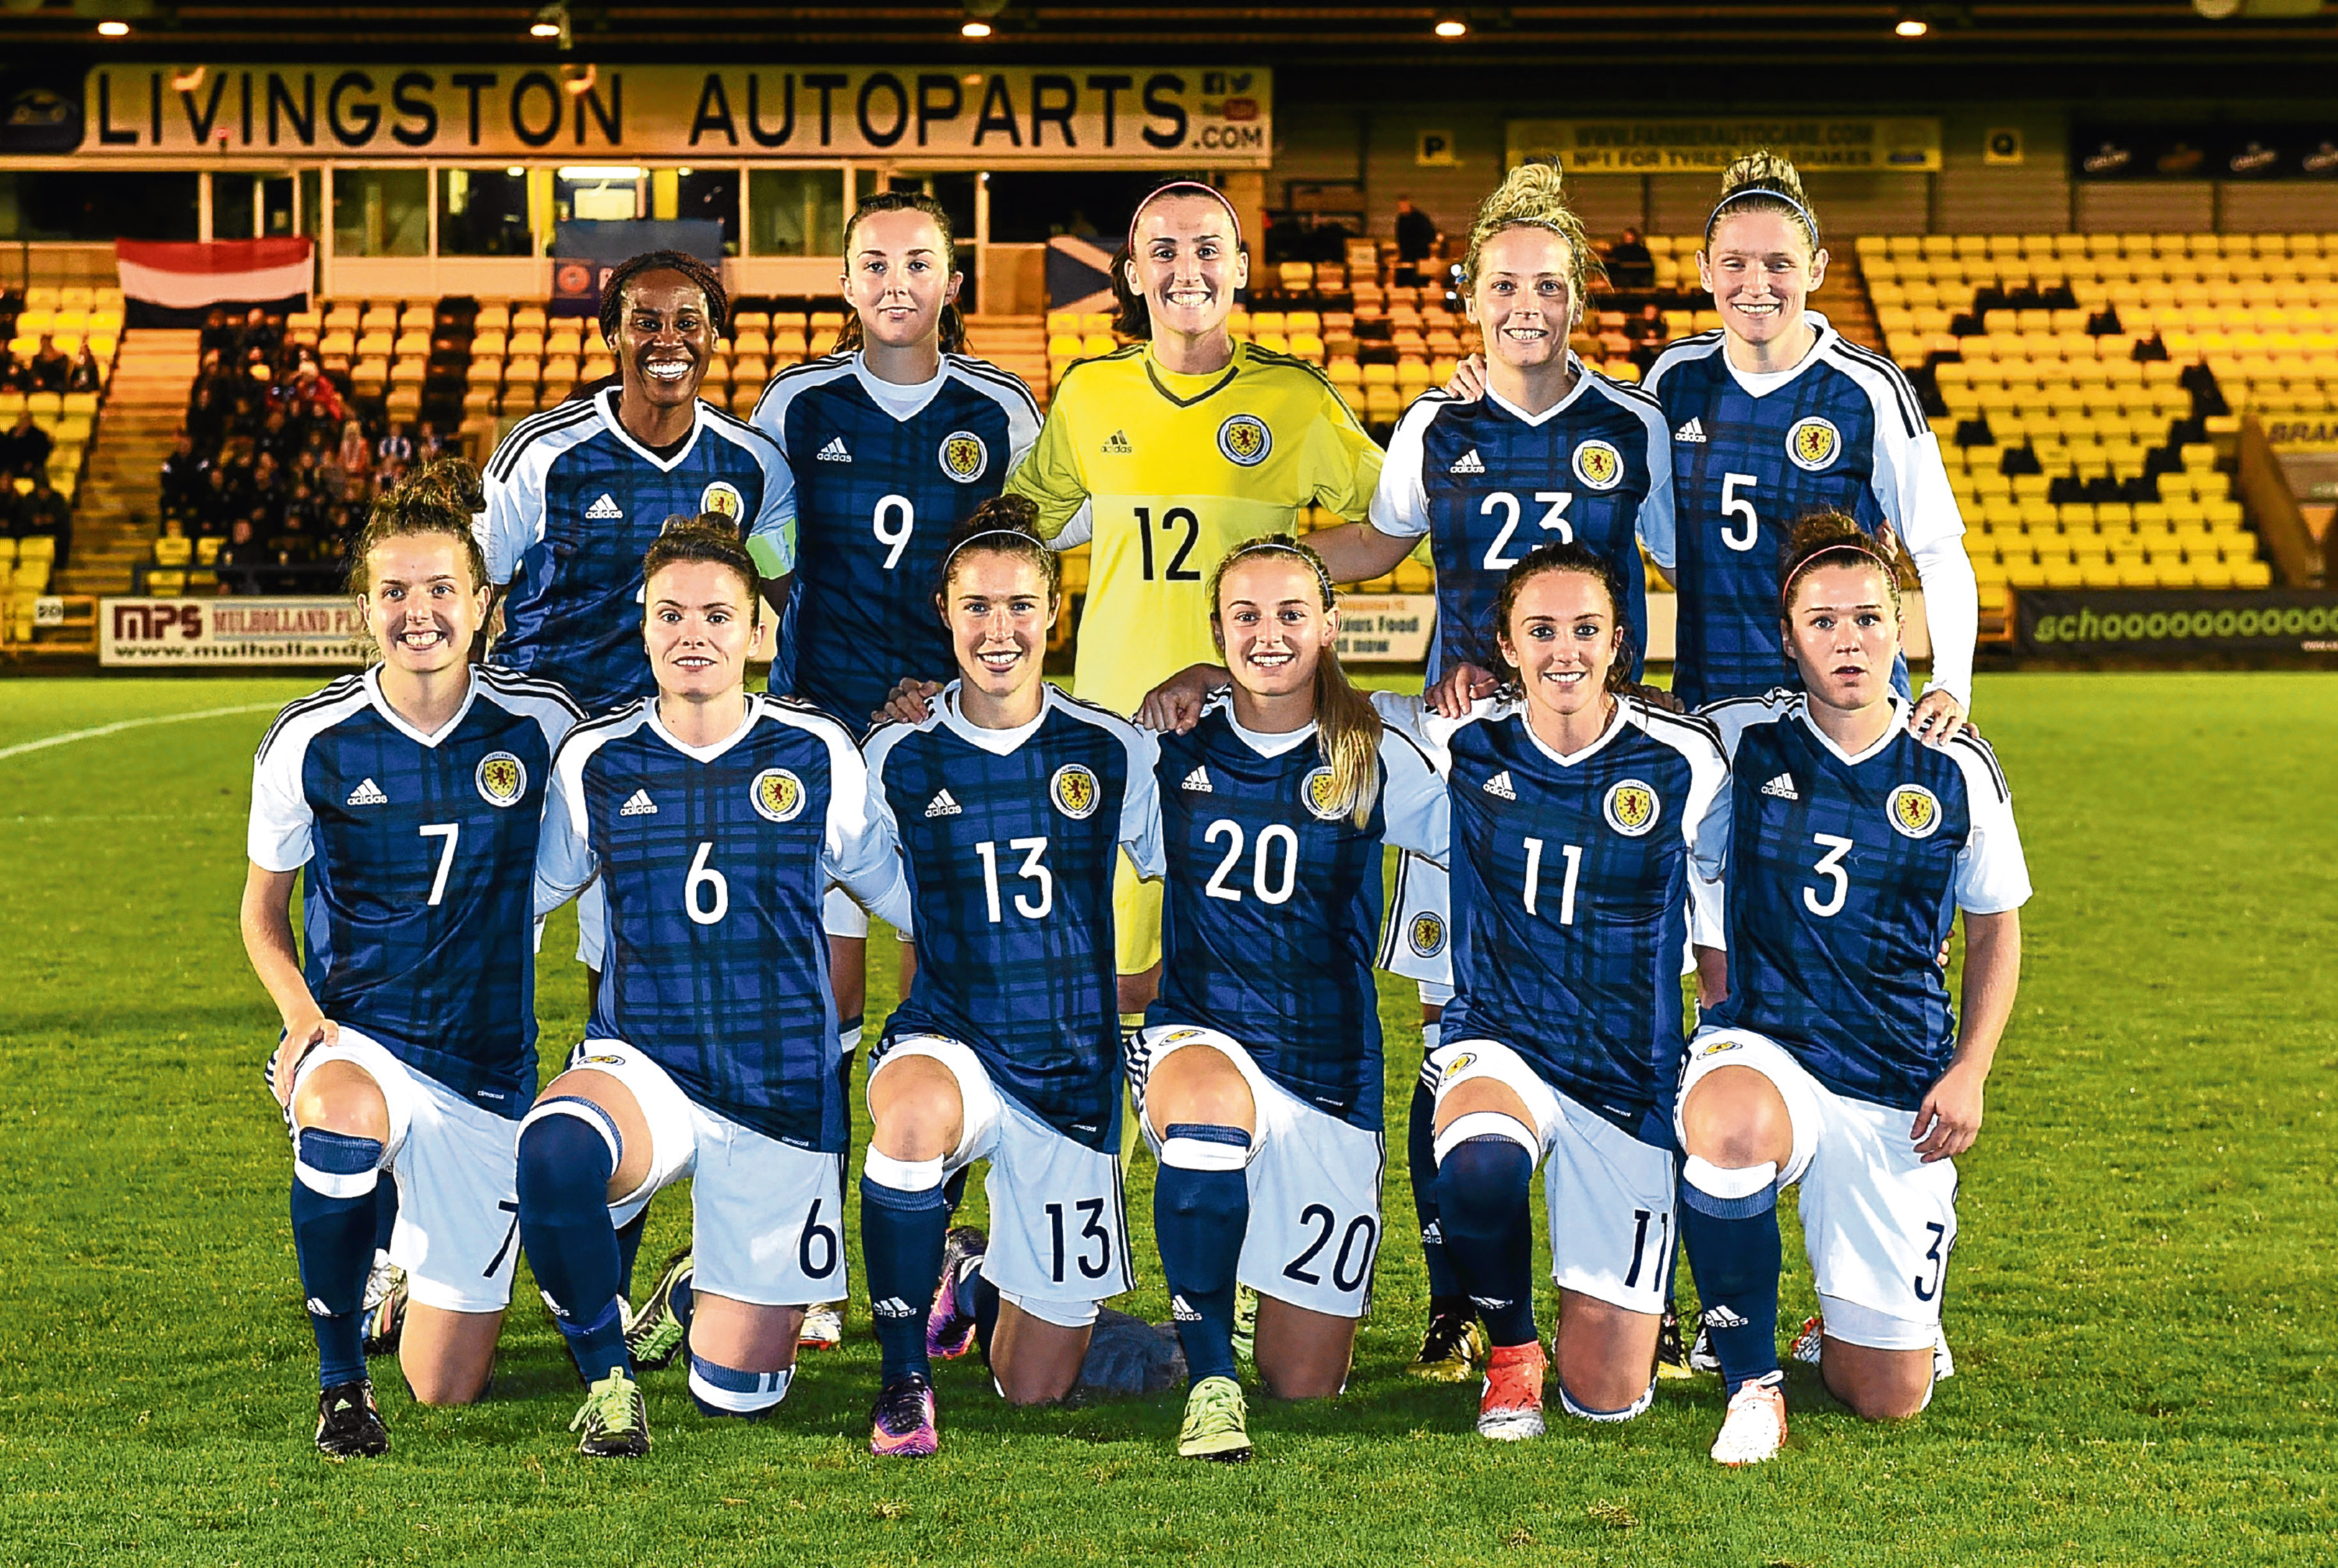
(1172, 521)
(1737, 511)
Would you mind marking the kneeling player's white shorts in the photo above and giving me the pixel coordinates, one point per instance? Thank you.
(766, 1221)
(456, 1166)
(1878, 1223)
(1314, 1184)
(1059, 1228)
(1418, 942)
(1608, 1196)
(841, 917)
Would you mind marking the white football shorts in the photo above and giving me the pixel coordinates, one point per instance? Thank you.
(1058, 1224)
(766, 1218)
(1314, 1185)
(1878, 1223)
(456, 1166)
(1609, 1197)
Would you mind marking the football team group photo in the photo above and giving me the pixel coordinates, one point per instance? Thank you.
(1312, 823)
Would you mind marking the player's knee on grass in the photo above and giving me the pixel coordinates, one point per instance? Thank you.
(447, 1358)
(1734, 1118)
(1034, 1359)
(916, 1110)
(1877, 1384)
(1303, 1354)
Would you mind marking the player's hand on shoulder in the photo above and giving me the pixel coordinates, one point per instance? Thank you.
(1174, 706)
(302, 1035)
(1469, 379)
(910, 701)
(1938, 719)
(1655, 696)
(1949, 1119)
(1458, 687)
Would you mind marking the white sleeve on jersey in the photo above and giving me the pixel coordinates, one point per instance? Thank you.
(771, 537)
(1911, 486)
(1140, 806)
(1400, 503)
(278, 838)
(1705, 824)
(1992, 876)
(510, 521)
(565, 861)
(1414, 798)
(1416, 721)
(861, 851)
(1656, 529)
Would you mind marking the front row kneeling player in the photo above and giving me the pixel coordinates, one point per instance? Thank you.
(1011, 803)
(1259, 1071)
(411, 795)
(1587, 825)
(716, 821)
(1836, 1060)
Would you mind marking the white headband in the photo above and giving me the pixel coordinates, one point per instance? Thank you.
(1753, 191)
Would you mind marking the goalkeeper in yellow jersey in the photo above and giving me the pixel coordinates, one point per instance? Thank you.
(1167, 455)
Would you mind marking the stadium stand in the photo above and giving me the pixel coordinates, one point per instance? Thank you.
(2074, 379)
(84, 327)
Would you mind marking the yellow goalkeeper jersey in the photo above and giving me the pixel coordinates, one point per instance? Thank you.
(1164, 474)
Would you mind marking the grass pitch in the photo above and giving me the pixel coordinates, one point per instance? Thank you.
(2142, 1303)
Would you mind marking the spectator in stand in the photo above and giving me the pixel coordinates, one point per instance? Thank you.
(16, 375)
(356, 456)
(44, 513)
(1416, 233)
(1629, 263)
(87, 375)
(23, 450)
(217, 507)
(52, 366)
(218, 336)
(182, 479)
(393, 452)
(241, 560)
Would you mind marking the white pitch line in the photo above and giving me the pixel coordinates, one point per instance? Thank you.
(72, 735)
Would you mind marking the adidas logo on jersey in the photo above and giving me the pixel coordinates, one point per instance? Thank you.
(605, 509)
(834, 451)
(640, 805)
(1116, 445)
(943, 805)
(1501, 787)
(1691, 431)
(1198, 781)
(367, 794)
(892, 1307)
(1782, 787)
(1467, 463)
(1722, 1317)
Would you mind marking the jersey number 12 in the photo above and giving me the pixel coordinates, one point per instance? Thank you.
(1177, 519)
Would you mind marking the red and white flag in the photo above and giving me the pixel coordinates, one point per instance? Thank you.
(167, 276)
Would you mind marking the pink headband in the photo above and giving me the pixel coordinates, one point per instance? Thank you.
(1184, 188)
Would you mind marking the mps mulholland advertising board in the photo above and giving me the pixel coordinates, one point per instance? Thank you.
(189, 633)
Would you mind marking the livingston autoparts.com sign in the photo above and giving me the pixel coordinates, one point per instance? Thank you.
(2174, 625)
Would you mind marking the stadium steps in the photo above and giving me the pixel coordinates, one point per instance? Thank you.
(113, 514)
(1013, 343)
(1848, 307)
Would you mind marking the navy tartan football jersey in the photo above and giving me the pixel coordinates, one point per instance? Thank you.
(1842, 430)
(1010, 838)
(1573, 879)
(1488, 483)
(1272, 907)
(1845, 876)
(417, 850)
(877, 493)
(714, 860)
(574, 503)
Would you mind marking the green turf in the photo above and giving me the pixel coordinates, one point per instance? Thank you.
(2142, 1303)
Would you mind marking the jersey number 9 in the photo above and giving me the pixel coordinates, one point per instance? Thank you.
(902, 518)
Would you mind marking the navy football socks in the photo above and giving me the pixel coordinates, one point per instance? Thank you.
(1732, 1242)
(1445, 1293)
(1200, 1211)
(902, 1230)
(335, 1178)
(565, 1165)
(1483, 1200)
